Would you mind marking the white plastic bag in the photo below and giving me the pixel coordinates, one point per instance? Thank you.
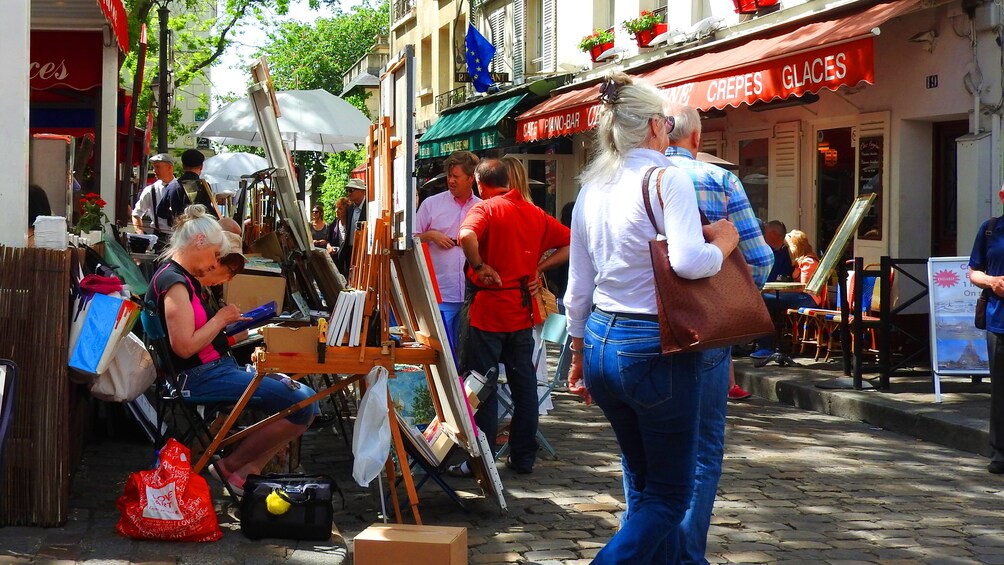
(130, 373)
(371, 440)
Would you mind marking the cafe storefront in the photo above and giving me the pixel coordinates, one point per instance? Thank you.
(817, 113)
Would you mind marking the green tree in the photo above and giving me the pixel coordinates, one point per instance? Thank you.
(199, 41)
(306, 56)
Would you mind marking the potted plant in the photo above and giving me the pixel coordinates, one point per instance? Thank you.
(597, 42)
(645, 27)
(92, 215)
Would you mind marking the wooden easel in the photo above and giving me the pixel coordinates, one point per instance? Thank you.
(393, 281)
(371, 271)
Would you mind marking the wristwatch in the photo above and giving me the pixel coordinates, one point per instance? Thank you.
(478, 266)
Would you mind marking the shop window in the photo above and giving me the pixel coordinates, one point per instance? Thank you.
(835, 164)
(753, 167)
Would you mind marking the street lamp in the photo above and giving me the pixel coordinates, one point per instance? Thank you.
(160, 92)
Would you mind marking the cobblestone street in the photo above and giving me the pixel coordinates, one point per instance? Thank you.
(799, 487)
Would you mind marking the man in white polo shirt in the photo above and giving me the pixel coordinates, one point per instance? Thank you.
(146, 204)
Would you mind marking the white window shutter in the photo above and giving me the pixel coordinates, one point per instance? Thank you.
(712, 142)
(783, 193)
(547, 36)
(518, 40)
(497, 22)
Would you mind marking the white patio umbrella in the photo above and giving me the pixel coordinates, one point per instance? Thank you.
(311, 120)
(224, 171)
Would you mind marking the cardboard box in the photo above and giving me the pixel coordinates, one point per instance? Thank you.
(398, 544)
(282, 339)
(251, 291)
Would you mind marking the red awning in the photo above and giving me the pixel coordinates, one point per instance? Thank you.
(564, 114)
(116, 15)
(827, 54)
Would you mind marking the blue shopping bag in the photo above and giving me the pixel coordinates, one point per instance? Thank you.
(107, 320)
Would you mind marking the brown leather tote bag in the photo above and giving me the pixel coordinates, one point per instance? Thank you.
(717, 311)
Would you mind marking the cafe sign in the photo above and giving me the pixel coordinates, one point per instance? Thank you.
(65, 59)
(833, 66)
(475, 141)
(556, 124)
(466, 77)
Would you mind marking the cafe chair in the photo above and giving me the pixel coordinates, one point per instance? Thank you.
(805, 328)
(8, 378)
(870, 306)
(555, 332)
(192, 416)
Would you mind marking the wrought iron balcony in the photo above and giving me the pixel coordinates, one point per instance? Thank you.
(453, 97)
(401, 9)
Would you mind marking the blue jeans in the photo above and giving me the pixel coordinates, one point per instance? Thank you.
(224, 379)
(485, 350)
(710, 452)
(651, 401)
(451, 320)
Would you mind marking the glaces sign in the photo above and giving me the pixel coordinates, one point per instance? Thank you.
(828, 67)
(65, 59)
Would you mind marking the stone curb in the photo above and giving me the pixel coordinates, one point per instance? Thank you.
(796, 386)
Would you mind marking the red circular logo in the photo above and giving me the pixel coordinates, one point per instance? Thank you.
(946, 279)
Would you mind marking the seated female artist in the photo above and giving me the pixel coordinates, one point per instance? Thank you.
(199, 346)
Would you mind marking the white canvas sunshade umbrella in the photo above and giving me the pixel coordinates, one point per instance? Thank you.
(224, 171)
(311, 120)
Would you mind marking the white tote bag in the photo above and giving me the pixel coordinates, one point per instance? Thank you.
(130, 373)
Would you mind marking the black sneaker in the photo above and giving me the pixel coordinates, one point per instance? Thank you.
(996, 467)
(520, 470)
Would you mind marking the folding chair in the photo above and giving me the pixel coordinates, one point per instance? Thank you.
(171, 396)
(554, 331)
(8, 378)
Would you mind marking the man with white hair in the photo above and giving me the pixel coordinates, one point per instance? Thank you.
(146, 204)
(719, 195)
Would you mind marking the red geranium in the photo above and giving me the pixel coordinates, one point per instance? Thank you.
(92, 214)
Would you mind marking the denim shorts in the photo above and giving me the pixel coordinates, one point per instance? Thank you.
(224, 379)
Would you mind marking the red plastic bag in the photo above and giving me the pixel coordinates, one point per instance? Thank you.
(169, 502)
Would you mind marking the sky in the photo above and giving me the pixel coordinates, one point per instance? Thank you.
(231, 74)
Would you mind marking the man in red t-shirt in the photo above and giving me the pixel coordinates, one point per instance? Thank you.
(503, 239)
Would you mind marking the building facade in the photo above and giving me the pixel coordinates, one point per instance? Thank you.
(816, 102)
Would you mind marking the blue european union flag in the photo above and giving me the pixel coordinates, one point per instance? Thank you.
(479, 53)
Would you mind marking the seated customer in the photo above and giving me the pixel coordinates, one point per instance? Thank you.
(774, 234)
(199, 345)
(805, 263)
(781, 271)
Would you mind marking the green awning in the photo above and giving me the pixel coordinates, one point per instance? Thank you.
(470, 129)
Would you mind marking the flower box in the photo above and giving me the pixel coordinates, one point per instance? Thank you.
(752, 6)
(646, 36)
(598, 50)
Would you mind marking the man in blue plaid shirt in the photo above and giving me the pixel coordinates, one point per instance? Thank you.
(719, 195)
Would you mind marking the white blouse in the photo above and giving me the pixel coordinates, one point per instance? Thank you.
(609, 262)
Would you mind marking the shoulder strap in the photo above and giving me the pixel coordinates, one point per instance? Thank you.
(153, 194)
(160, 292)
(988, 234)
(648, 203)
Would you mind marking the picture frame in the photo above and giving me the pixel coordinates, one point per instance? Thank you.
(841, 239)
